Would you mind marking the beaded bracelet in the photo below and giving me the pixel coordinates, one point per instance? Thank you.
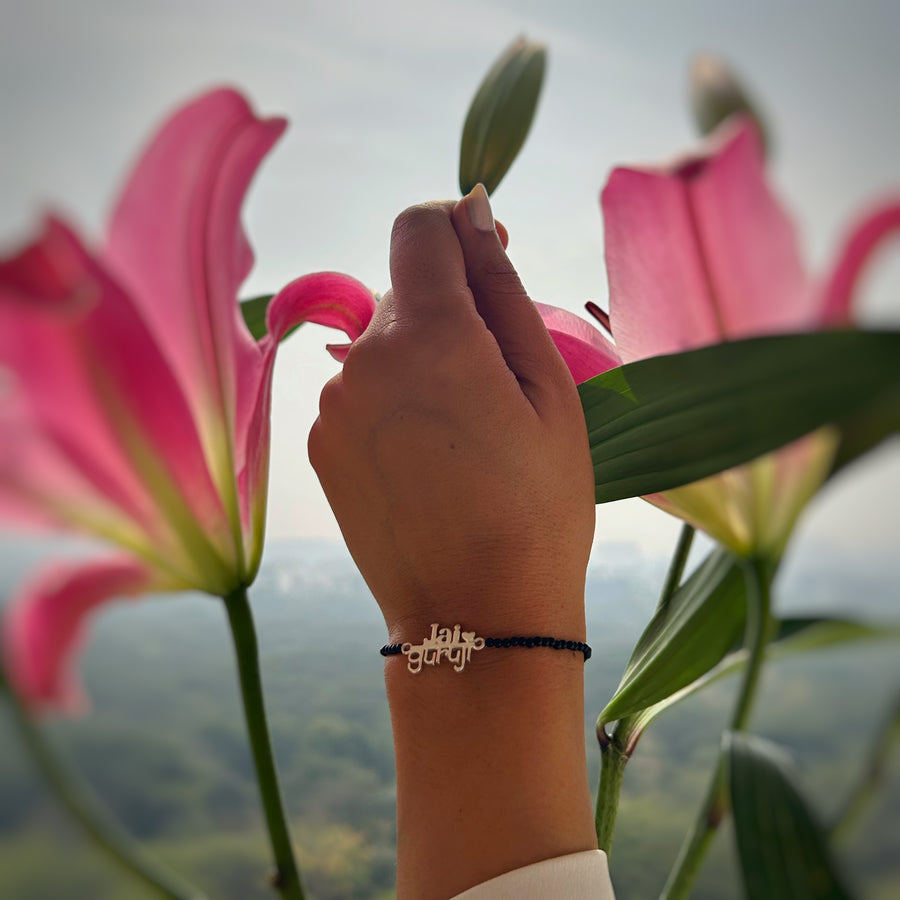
(457, 645)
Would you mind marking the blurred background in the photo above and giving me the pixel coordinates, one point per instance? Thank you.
(376, 95)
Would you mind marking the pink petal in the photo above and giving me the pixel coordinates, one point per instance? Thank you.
(701, 252)
(864, 240)
(92, 385)
(585, 350)
(325, 298)
(176, 242)
(44, 625)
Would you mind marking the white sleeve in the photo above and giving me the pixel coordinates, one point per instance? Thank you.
(578, 876)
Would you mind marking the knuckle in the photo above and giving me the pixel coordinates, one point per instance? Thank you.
(502, 278)
(330, 398)
(417, 218)
(315, 445)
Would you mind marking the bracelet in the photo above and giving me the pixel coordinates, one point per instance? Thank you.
(457, 645)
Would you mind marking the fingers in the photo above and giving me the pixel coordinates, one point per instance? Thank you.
(500, 299)
(428, 272)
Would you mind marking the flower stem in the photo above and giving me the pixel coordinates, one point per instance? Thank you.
(676, 566)
(287, 876)
(615, 751)
(757, 574)
(78, 799)
(868, 784)
(612, 772)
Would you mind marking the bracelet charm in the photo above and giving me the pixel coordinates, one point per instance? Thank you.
(454, 644)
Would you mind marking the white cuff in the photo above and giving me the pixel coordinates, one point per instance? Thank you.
(578, 876)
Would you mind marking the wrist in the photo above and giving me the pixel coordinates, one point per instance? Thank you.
(493, 758)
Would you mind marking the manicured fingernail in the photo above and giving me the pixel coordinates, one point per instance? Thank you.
(479, 208)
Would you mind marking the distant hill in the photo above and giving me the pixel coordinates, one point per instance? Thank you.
(165, 746)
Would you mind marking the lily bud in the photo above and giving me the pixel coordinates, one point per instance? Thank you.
(716, 93)
(500, 115)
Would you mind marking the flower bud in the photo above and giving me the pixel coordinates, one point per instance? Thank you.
(716, 93)
(500, 115)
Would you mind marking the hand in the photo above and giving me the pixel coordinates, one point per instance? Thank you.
(452, 447)
(454, 453)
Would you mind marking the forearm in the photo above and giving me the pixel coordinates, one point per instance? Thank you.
(491, 766)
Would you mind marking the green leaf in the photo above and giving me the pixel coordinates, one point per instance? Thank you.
(671, 420)
(703, 621)
(500, 115)
(782, 847)
(254, 313)
(791, 636)
(867, 428)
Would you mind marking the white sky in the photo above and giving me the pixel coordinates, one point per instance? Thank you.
(376, 94)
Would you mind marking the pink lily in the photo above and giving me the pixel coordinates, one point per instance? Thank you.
(700, 252)
(135, 404)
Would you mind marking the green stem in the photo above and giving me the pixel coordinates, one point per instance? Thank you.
(676, 566)
(868, 784)
(287, 877)
(612, 772)
(615, 751)
(757, 574)
(78, 799)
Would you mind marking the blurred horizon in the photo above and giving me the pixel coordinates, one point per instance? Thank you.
(165, 748)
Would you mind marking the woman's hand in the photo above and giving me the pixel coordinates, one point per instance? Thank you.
(454, 453)
(452, 447)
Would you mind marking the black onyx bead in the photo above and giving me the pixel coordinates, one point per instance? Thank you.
(570, 645)
(506, 642)
(529, 642)
(547, 642)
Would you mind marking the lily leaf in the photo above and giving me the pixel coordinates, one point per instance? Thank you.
(791, 636)
(703, 620)
(663, 422)
(782, 846)
(500, 115)
(254, 313)
(867, 428)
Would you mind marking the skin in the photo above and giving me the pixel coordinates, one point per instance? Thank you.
(453, 451)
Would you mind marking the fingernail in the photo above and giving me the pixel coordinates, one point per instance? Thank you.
(479, 208)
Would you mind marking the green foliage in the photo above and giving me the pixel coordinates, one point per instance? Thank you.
(783, 849)
(163, 686)
(671, 420)
(254, 313)
(687, 637)
(500, 115)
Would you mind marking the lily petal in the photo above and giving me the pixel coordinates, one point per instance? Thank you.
(585, 350)
(700, 251)
(176, 243)
(326, 298)
(863, 241)
(92, 384)
(45, 620)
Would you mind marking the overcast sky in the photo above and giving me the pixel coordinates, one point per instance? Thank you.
(376, 94)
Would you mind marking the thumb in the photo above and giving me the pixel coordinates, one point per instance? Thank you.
(502, 303)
